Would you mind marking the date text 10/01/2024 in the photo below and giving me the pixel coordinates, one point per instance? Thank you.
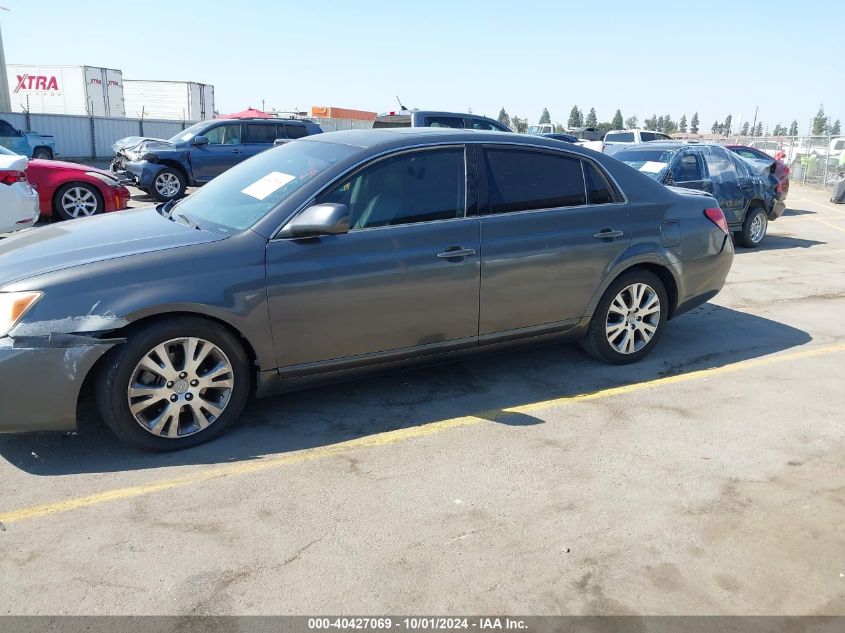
(417, 623)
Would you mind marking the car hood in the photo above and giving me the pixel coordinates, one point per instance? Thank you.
(63, 245)
(134, 142)
(58, 164)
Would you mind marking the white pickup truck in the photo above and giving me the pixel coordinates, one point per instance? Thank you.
(618, 138)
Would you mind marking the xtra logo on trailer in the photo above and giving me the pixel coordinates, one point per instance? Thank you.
(36, 82)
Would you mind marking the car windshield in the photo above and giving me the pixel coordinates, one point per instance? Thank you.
(3, 150)
(188, 133)
(652, 163)
(241, 196)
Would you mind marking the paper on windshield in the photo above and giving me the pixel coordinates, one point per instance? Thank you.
(652, 166)
(266, 185)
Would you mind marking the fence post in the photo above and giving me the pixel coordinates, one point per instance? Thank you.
(141, 123)
(93, 130)
(826, 161)
(27, 117)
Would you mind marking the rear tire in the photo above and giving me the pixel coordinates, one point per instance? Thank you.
(628, 320)
(753, 228)
(191, 397)
(42, 153)
(168, 184)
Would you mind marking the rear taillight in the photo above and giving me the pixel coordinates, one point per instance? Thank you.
(11, 177)
(718, 218)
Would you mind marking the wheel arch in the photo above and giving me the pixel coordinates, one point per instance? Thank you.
(126, 330)
(661, 269)
(54, 199)
(175, 164)
(47, 147)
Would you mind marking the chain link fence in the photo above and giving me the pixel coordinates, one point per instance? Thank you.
(812, 160)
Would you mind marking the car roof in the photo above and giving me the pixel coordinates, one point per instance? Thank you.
(665, 145)
(389, 137)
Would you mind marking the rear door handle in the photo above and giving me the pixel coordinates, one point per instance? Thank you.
(456, 251)
(608, 234)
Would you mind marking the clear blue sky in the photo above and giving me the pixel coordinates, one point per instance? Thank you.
(646, 58)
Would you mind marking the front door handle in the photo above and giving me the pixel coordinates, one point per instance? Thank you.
(456, 251)
(608, 234)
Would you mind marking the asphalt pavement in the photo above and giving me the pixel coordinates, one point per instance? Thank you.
(706, 479)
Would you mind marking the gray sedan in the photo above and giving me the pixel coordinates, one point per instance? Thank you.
(339, 254)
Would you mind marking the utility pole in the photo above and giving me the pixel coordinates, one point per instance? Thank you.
(5, 100)
(754, 125)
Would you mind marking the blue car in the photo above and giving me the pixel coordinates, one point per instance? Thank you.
(29, 144)
(165, 168)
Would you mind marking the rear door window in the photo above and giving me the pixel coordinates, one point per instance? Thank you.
(525, 180)
(295, 131)
(720, 165)
(261, 133)
(444, 121)
(688, 167)
(645, 137)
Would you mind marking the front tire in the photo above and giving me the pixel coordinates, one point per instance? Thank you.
(168, 184)
(629, 319)
(78, 200)
(173, 384)
(753, 228)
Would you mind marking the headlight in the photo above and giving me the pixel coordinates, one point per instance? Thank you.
(13, 305)
(109, 180)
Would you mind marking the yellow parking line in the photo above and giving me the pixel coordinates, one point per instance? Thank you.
(826, 223)
(822, 204)
(394, 437)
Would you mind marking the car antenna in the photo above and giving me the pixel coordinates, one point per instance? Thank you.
(401, 107)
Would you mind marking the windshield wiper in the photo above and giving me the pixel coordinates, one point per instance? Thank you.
(187, 220)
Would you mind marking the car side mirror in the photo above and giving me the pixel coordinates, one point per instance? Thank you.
(281, 141)
(200, 140)
(321, 219)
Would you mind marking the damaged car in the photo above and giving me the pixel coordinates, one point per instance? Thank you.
(329, 257)
(749, 198)
(164, 169)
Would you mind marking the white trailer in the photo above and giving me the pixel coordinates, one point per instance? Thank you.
(66, 89)
(176, 100)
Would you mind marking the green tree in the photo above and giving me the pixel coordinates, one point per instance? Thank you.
(617, 122)
(759, 130)
(778, 130)
(574, 118)
(745, 127)
(545, 117)
(504, 118)
(651, 123)
(520, 126)
(693, 124)
(682, 124)
(559, 128)
(727, 126)
(835, 129)
(606, 126)
(669, 126)
(793, 128)
(819, 122)
(591, 120)
(660, 125)
(717, 128)
(631, 122)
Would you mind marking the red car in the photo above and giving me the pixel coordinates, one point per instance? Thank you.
(755, 155)
(70, 190)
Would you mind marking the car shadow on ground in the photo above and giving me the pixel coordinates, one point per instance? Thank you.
(778, 243)
(483, 386)
(790, 211)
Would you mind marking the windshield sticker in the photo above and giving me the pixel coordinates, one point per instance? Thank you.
(270, 183)
(652, 166)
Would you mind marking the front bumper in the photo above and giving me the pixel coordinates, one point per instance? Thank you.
(40, 380)
(140, 173)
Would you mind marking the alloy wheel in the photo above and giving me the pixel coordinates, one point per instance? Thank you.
(167, 184)
(79, 202)
(180, 387)
(633, 318)
(757, 230)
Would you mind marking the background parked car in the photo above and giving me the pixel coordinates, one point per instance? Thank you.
(559, 136)
(29, 144)
(71, 190)
(615, 139)
(765, 162)
(164, 169)
(18, 200)
(748, 198)
(426, 118)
